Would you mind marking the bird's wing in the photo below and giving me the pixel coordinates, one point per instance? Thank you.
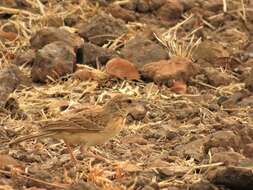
(81, 122)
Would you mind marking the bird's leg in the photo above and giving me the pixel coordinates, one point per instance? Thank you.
(72, 156)
(84, 150)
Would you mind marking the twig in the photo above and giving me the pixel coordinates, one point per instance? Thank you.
(16, 11)
(208, 24)
(244, 17)
(225, 6)
(209, 165)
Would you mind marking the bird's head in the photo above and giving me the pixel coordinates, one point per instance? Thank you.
(125, 105)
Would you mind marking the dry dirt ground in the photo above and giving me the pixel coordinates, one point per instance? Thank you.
(198, 135)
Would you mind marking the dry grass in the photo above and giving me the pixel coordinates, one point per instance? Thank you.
(183, 47)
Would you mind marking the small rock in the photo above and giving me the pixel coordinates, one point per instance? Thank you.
(53, 60)
(217, 55)
(25, 58)
(188, 4)
(228, 158)
(140, 182)
(122, 69)
(158, 163)
(246, 102)
(142, 6)
(12, 106)
(100, 2)
(235, 99)
(15, 4)
(166, 71)
(10, 78)
(147, 187)
(87, 73)
(232, 37)
(101, 29)
(179, 87)
(248, 150)
(233, 178)
(202, 185)
(175, 171)
(193, 149)
(156, 4)
(72, 19)
(7, 161)
(148, 51)
(130, 5)
(214, 6)
(138, 112)
(54, 20)
(170, 11)
(225, 139)
(121, 13)
(83, 186)
(249, 50)
(249, 81)
(93, 54)
(217, 78)
(51, 34)
(134, 140)
(246, 135)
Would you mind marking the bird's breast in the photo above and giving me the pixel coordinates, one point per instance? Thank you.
(115, 125)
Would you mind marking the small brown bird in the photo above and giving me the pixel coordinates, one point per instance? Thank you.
(88, 128)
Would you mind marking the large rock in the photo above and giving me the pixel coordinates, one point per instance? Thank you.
(141, 51)
(170, 11)
(51, 34)
(93, 54)
(101, 29)
(165, 71)
(53, 61)
(223, 139)
(233, 178)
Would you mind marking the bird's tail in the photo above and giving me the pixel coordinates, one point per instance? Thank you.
(32, 136)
